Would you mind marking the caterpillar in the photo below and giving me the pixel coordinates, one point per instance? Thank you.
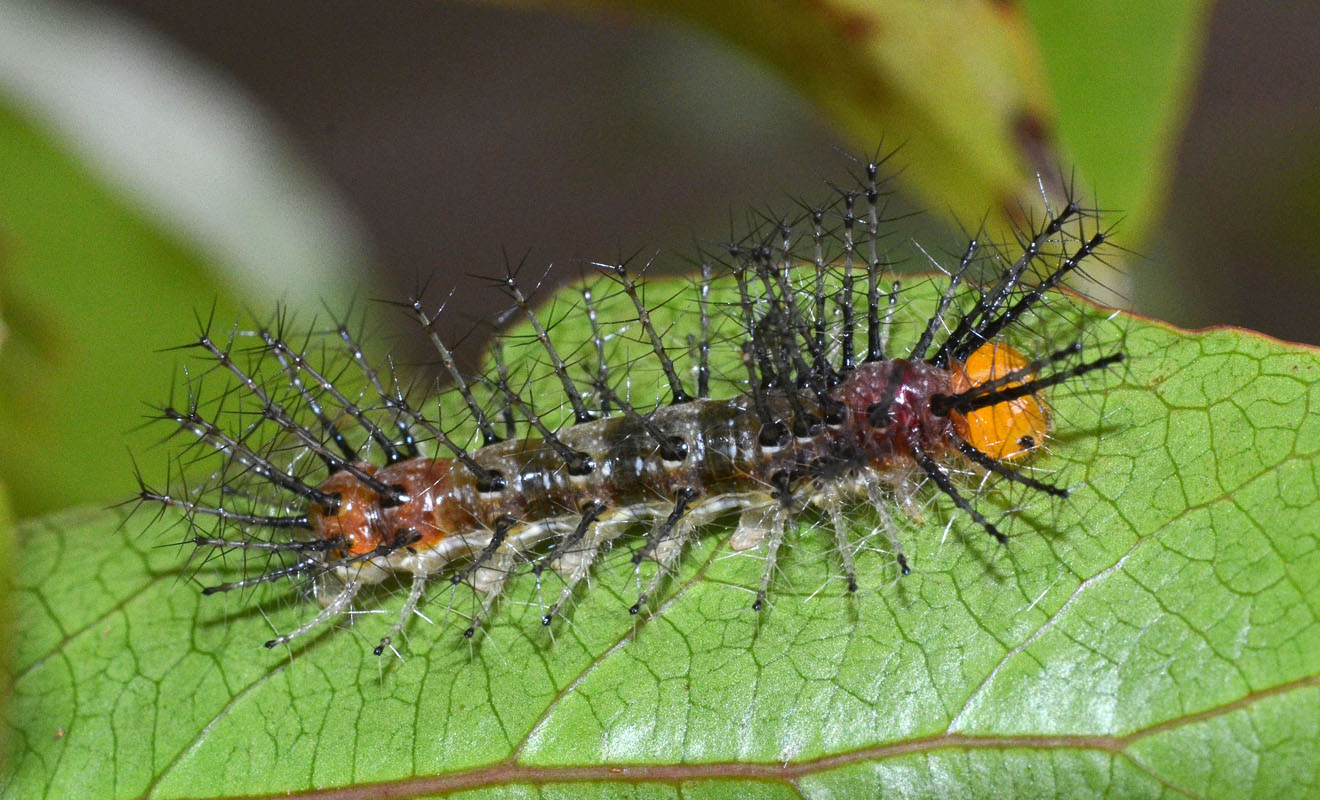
(332, 474)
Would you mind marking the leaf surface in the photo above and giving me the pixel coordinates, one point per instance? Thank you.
(1154, 635)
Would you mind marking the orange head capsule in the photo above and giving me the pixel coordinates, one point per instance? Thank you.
(1007, 431)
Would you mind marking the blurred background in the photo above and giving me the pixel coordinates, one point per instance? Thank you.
(158, 158)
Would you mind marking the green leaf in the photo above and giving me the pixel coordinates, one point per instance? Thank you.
(8, 566)
(77, 265)
(1122, 75)
(1156, 634)
(136, 191)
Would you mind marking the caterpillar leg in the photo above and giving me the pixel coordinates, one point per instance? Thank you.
(665, 544)
(880, 503)
(489, 581)
(405, 613)
(752, 527)
(338, 603)
(834, 507)
(575, 555)
(776, 525)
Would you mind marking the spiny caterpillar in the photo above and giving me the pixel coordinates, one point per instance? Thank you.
(329, 473)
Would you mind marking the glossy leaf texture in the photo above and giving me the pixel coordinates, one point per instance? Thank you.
(1154, 635)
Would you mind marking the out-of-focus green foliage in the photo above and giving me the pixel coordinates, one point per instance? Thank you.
(984, 96)
(1121, 73)
(90, 289)
(137, 191)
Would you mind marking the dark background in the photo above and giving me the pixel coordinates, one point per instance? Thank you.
(458, 132)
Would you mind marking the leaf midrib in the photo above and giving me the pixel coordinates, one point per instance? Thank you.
(508, 772)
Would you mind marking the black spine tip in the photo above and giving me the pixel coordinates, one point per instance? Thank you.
(836, 414)
(808, 426)
(877, 415)
(635, 609)
(774, 435)
(903, 565)
(469, 633)
(397, 496)
(676, 449)
(491, 481)
(583, 464)
(270, 645)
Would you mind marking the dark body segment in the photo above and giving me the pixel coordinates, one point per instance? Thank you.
(724, 457)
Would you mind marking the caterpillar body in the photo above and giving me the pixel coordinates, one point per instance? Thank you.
(332, 476)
